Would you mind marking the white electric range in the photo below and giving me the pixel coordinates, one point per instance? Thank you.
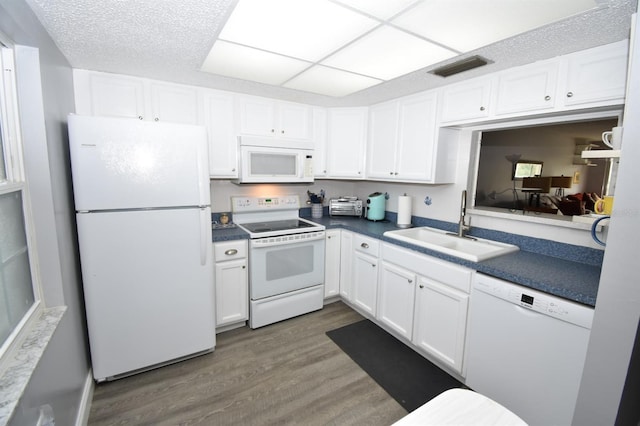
(286, 258)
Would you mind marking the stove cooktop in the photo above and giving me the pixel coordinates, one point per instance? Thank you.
(277, 225)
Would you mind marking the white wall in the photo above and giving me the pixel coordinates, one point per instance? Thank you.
(618, 306)
(61, 374)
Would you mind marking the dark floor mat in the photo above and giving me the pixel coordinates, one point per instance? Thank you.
(408, 377)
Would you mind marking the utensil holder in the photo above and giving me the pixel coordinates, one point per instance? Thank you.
(316, 210)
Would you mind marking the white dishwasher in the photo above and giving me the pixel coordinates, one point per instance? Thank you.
(526, 349)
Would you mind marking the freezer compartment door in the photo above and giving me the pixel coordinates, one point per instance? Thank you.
(126, 164)
(149, 297)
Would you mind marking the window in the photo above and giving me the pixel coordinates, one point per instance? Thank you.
(18, 299)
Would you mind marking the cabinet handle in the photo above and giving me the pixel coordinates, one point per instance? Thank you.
(273, 130)
(244, 267)
(231, 252)
(156, 119)
(481, 108)
(140, 117)
(396, 173)
(364, 245)
(233, 170)
(547, 98)
(282, 131)
(421, 286)
(391, 173)
(569, 94)
(373, 266)
(328, 237)
(410, 281)
(324, 171)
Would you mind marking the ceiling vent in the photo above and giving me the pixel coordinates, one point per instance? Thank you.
(465, 64)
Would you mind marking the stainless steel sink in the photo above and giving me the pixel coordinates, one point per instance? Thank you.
(476, 249)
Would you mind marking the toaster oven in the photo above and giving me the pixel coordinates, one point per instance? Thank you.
(345, 206)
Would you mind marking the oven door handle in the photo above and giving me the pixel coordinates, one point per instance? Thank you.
(284, 240)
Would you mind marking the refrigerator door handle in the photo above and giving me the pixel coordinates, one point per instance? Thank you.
(203, 172)
(205, 226)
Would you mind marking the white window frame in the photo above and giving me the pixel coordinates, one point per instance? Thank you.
(16, 181)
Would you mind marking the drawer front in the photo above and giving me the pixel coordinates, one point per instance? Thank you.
(366, 244)
(442, 271)
(230, 250)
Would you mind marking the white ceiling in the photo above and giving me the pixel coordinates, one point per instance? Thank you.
(170, 40)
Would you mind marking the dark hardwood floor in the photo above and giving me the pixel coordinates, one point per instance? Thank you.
(285, 373)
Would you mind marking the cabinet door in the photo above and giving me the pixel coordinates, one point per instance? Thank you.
(396, 297)
(346, 265)
(597, 75)
(465, 101)
(346, 143)
(382, 138)
(232, 296)
(440, 321)
(174, 103)
(365, 282)
(528, 88)
(109, 95)
(332, 263)
(294, 121)
(416, 160)
(319, 139)
(257, 116)
(223, 146)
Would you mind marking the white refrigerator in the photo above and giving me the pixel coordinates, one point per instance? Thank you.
(144, 230)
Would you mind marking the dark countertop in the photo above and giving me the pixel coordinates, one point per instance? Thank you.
(565, 278)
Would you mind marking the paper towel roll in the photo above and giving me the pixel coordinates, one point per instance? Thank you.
(404, 211)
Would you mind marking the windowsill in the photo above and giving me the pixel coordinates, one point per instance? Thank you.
(534, 217)
(23, 361)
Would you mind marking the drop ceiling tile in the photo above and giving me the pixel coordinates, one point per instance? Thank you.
(245, 63)
(386, 53)
(466, 25)
(382, 9)
(309, 29)
(330, 82)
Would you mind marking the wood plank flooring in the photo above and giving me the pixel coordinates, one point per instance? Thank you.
(289, 373)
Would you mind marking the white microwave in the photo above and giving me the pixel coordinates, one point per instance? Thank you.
(273, 161)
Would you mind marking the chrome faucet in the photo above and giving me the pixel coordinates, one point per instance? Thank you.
(462, 226)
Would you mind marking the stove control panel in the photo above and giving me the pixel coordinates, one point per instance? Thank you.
(256, 204)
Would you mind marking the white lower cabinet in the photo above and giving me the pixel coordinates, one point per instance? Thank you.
(424, 300)
(365, 282)
(396, 298)
(440, 321)
(332, 263)
(365, 273)
(346, 265)
(231, 282)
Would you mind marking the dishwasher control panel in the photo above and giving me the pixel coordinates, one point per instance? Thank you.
(534, 300)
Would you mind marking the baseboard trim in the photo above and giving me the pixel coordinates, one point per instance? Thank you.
(85, 402)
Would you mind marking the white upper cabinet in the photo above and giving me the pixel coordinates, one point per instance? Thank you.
(109, 95)
(401, 143)
(467, 100)
(383, 140)
(174, 103)
(270, 118)
(416, 155)
(319, 141)
(346, 141)
(596, 75)
(528, 88)
(124, 96)
(221, 132)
